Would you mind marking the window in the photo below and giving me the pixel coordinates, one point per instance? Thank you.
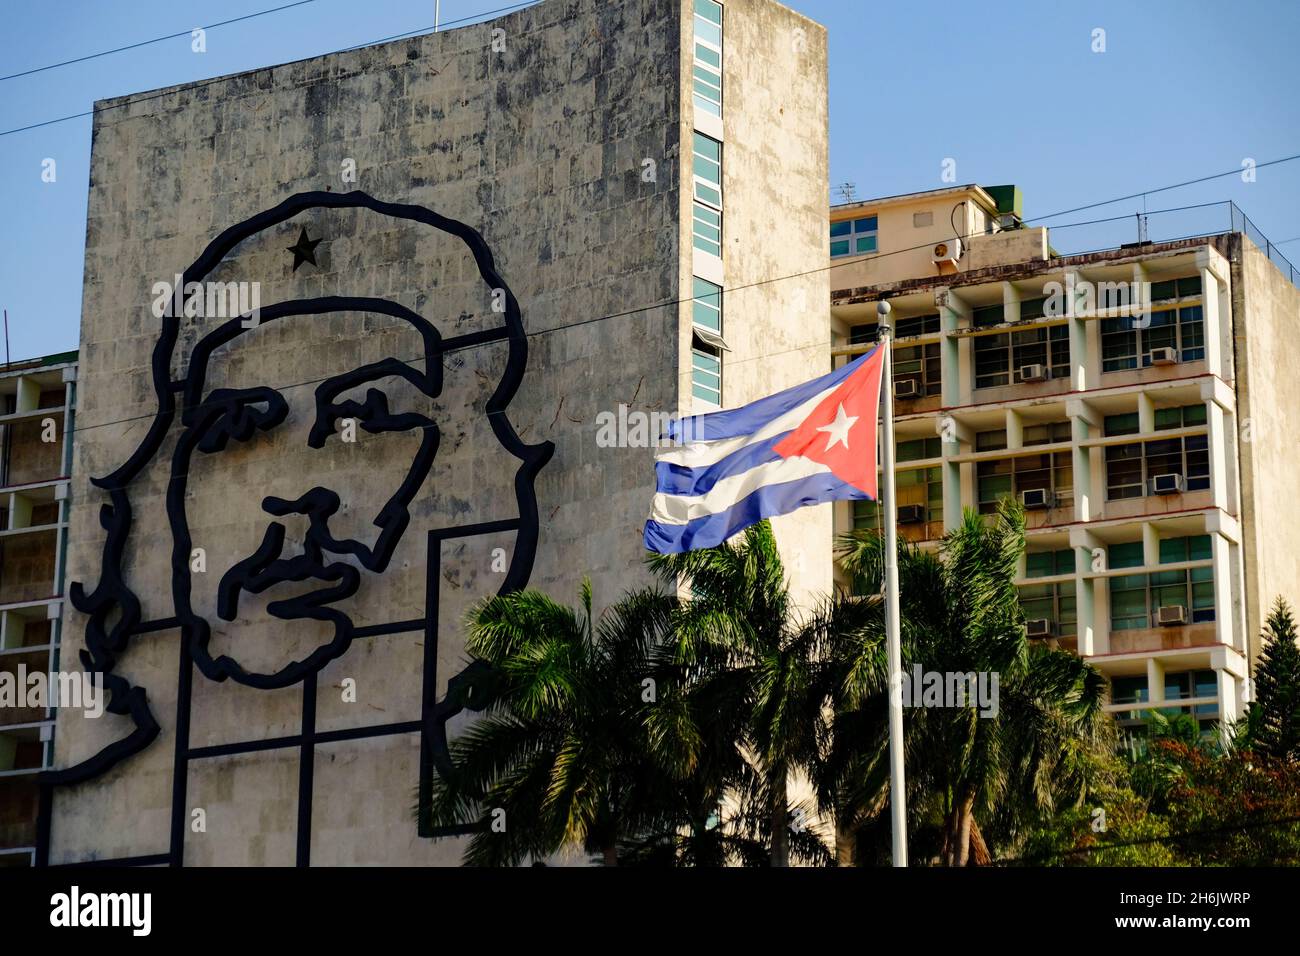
(1128, 690)
(1127, 555)
(707, 305)
(1045, 434)
(1053, 602)
(1043, 564)
(920, 364)
(994, 440)
(999, 358)
(708, 229)
(1130, 468)
(1010, 476)
(708, 57)
(853, 237)
(1125, 346)
(1033, 309)
(706, 376)
(708, 170)
(916, 486)
(706, 356)
(1185, 288)
(987, 315)
(920, 448)
(903, 328)
(1135, 598)
(1191, 548)
(1185, 416)
(1184, 685)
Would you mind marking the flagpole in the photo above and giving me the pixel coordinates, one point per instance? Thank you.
(893, 635)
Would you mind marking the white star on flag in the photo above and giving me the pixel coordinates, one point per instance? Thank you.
(838, 430)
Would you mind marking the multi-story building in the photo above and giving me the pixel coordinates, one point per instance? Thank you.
(528, 223)
(1135, 399)
(37, 399)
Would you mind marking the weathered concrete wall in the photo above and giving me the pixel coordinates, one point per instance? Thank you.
(1266, 315)
(538, 146)
(775, 183)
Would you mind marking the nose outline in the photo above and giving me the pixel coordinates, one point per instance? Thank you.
(318, 505)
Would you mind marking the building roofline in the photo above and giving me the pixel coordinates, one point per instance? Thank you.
(901, 198)
(1013, 271)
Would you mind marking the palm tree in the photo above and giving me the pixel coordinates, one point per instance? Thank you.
(559, 758)
(758, 675)
(967, 774)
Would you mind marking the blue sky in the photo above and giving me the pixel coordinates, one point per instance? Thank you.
(1012, 91)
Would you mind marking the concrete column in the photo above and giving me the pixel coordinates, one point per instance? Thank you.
(1150, 544)
(1010, 303)
(1155, 680)
(1146, 414)
(1213, 328)
(1085, 605)
(1080, 431)
(1225, 620)
(1222, 440)
(1015, 430)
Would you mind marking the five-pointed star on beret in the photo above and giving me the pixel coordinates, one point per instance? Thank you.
(304, 250)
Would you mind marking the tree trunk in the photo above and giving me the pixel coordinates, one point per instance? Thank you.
(965, 816)
(845, 843)
(611, 854)
(780, 825)
(979, 850)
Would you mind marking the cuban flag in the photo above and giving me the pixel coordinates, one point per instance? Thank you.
(726, 470)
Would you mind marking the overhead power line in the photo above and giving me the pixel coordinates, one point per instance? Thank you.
(136, 46)
(221, 79)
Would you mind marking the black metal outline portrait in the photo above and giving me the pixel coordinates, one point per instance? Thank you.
(208, 423)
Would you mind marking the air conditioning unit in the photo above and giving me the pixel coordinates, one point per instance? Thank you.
(947, 251)
(1162, 356)
(1036, 499)
(911, 514)
(907, 388)
(1038, 627)
(1167, 485)
(1171, 615)
(1035, 373)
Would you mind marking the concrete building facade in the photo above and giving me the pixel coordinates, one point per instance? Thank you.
(551, 207)
(1140, 417)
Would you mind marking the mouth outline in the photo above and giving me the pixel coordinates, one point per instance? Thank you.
(266, 567)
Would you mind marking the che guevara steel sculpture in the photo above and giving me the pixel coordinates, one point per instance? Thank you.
(206, 420)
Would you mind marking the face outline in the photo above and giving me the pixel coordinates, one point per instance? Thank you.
(210, 421)
(114, 613)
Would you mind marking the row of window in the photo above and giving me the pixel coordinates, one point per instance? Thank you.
(1127, 343)
(706, 211)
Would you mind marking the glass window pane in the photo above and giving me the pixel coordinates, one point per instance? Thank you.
(841, 228)
(710, 10)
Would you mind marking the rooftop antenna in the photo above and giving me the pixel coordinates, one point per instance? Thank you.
(6, 337)
(437, 14)
(848, 191)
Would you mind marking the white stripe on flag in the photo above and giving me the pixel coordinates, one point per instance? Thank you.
(679, 509)
(701, 453)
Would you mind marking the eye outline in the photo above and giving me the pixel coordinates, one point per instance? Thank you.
(233, 413)
(373, 415)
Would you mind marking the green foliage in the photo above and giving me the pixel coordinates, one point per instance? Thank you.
(1273, 719)
(975, 778)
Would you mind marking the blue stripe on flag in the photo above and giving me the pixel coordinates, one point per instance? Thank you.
(673, 479)
(747, 419)
(711, 530)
